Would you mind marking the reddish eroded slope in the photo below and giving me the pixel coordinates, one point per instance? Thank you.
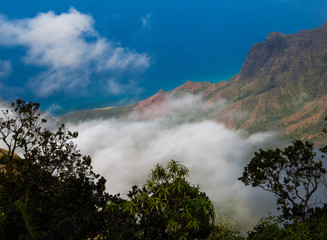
(282, 86)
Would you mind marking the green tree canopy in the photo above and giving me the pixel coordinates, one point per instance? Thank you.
(168, 207)
(49, 191)
(292, 174)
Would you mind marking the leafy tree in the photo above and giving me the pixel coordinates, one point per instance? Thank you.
(267, 229)
(292, 174)
(48, 189)
(312, 228)
(167, 207)
(224, 233)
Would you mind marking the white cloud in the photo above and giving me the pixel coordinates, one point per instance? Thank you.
(178, 109)
(55, 80)
(125, 150)
(69, 47)
(5, 68)
(146, 20)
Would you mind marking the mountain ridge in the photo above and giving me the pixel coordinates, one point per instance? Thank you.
(281, 86)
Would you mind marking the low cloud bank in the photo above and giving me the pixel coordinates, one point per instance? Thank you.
(124, 152)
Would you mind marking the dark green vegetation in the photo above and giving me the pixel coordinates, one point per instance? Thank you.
(282, 86)
(292, 175)
(167, 207)
(49, 191)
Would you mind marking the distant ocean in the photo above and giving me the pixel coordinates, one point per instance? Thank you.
(186, 40)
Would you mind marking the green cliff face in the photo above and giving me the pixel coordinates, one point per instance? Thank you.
(281, 86)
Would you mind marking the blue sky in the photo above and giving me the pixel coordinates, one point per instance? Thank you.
(73, 55)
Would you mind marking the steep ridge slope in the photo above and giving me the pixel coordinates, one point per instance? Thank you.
(282, 86)
(284, 76)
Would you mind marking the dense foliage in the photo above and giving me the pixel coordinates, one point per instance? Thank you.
(313, 227)
(49, 190)
(293, 175)
(168, 207)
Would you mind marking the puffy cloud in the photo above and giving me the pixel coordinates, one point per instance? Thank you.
(125, 150)
(5, 68)
(69, 47)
